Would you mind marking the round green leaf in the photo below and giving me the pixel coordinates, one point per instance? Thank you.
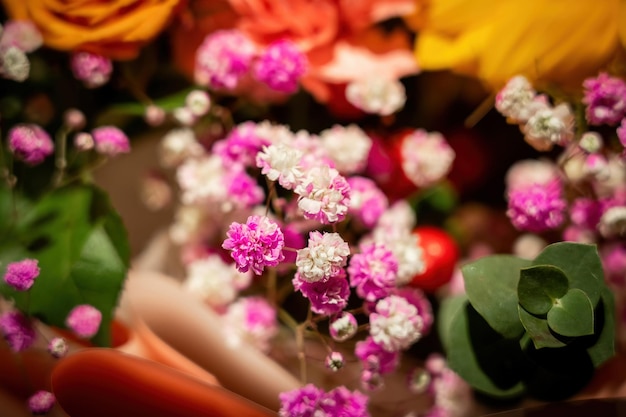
(572, 315)
(539, 286)
(538, 330)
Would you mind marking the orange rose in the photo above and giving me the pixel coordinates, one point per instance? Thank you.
(112, 28)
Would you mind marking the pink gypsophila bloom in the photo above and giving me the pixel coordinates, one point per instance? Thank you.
(605, 97)
(537, 208)
(373, 272)
(241, 145)
(41, 402)
(324, 195)
(418, 299)
(345, 403)
(223, 59)
(586, 212)
(21, 275)
(613, 257)
(396, 324)
(343, 327)
(367, 201)
(30, 143)
(300, 402)
(374, 358)
(280, 66)
(18, 330)
(324, 257)
(111, 141)
(327, 297)
(243, 190)
(251, 320)
(84, 320)
(93, 70)
(22, 34)
(256, 244)
(426, 157)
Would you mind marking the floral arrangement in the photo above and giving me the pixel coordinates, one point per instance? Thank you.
(315, 209)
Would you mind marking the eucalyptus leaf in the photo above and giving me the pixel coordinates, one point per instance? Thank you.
(580, 263)
(83, 255)
(538, 330)
(486, 360)
(539, 286)
(572, 315)
(604, 347)
(491, 286)
(448, 309)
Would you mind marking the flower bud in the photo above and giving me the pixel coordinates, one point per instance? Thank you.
(343, 327)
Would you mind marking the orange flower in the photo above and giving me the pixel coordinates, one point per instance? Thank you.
(556, 42)
(112, 28)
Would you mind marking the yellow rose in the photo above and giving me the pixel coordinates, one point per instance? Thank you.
(112, 28)
(549, 41)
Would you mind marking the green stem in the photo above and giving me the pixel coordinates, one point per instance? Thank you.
(61, 157)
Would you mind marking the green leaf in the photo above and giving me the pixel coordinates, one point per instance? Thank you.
(83, 255)
(491, 286)
(572, 315)
(448, 309)
(539, 287)
(580, 263)
(486, 360)
(604, 347)
(539, 331)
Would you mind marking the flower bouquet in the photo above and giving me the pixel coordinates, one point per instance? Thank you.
(344, 233)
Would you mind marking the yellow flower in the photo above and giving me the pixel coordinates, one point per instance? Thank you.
(113, 28)
(551, 42)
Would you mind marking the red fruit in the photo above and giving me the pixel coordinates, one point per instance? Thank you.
(440, 255)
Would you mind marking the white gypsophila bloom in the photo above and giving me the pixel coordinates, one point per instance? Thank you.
(202, 180)
(409, 255)
(280, 162)
(15, 64)
(516, 95)
(528, 246)
(178, 145)
(324, 195)
(187, 221)
(198, 102)
(529, 172)
(590, 142)
(312, 149)
(184, 116)
(381, 96)
(396, 324)
(214, 281)
(426, 157)
(323, 258)
(273, 133)
(347, 146)
(613, 222)
(614, 179)
(549, 126)
(343, 327)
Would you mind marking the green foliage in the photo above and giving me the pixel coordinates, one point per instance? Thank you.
(82, 249)
(538, 327)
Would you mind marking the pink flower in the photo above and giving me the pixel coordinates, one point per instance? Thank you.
(537, 208)
(343, 327)
(18, 330)
(92, 69)
(324, 257)
(251, 320)
(613, 257)
(426, 157)
(327, 297)
(345, 403)
(84, 320)
(241, 145)
(586, 212)
(300, 402)
(23, 34)
(396, 324)
(374, 358)
(280, 66)
(21, 275)
(243, 190)
(256, 244)
(30, 143)
(373, 272)
(111, 141)
(324, 195)
(41, 402)
(418, 299)
(605, 97)
(621, 132)
(367, 201)
(223, 59)
(57, 347)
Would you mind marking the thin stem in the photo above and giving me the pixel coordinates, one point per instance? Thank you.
(61, 151)
(301, 354)
(480, 111)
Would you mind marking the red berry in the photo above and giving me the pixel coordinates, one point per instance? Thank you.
(440, 255)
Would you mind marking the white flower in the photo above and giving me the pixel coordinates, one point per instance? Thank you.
(325, 255)
(214, 281)
(396, 324)
(549, 126)
(15, 64)
(514, 98)
(426, 157)
(529, 172)
(347, 146)
(198, 102)
(177, 145)
(280, 162)
(409, 255)
(324, 195)
(381, 96)
(250, 320)
(613, 222)
(202, 180)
